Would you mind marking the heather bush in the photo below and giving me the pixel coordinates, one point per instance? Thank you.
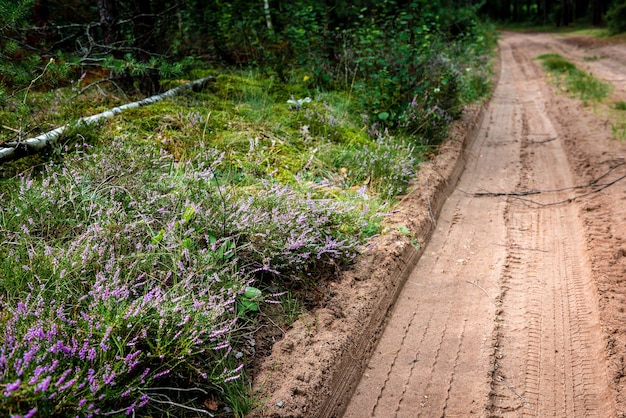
(290, 235)
(120, 279)
(384, 166)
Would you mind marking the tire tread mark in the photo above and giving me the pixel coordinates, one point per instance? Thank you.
(454, 368)
(415, 361)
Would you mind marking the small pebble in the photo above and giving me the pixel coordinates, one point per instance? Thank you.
(280, 404)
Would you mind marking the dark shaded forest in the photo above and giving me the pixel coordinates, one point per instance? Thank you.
(137, 43)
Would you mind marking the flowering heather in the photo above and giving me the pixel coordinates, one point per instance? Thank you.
(120, 278)
(322, 121)
(388, 164)
(287, 233)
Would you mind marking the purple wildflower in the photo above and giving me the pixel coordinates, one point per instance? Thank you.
(12, 387)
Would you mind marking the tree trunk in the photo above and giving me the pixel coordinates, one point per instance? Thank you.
(268, 16)
(108, 17)
(144, 28)
(598, 9)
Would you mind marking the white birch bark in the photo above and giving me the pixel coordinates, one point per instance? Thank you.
(268, 16)
(8, 150)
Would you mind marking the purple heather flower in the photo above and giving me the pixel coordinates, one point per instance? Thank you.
(131, 409)
(12, 387)
(108, 379)
(143, 400)
(62, 378)
(163, 373)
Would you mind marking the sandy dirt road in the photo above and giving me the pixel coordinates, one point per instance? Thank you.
(516, 307)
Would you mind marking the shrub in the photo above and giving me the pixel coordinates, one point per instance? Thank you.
(616, 17)
(121, 279)
(385, 165)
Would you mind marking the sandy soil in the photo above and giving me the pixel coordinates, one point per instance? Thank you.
(514, 302)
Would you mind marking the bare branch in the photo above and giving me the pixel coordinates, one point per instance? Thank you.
(594, 186)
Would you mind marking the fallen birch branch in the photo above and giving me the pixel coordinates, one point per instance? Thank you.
(16, 149)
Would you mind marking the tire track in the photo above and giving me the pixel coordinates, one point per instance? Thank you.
(443, 319)
(564, 374)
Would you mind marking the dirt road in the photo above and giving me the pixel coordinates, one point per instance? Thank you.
(516, 307)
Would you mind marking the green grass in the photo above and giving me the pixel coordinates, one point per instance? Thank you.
(621, 105)
(618, 120)
(555, 62)
(587, 88)
(576, 29)
(591, 31)
(574, 81)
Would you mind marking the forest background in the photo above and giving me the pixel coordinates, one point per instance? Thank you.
(141, 257)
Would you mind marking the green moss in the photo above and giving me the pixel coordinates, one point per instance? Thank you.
(354, 137)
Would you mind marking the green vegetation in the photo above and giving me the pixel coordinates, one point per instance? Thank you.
(139, 257)
(621, 105)
(571, 79)
(616, 17)
(618, 121)
(585, 87)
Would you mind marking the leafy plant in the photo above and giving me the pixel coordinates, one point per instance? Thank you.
(249, 300)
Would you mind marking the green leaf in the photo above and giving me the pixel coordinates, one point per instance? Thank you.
(188, 213)
(246, 305)
(404, 230)
(252, 293)
(159, 237)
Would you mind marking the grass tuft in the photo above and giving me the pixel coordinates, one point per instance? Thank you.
(573, 80)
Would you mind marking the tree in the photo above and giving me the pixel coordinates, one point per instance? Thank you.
(616, 17)
(107, 10)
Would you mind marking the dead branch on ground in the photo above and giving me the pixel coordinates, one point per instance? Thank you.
(12, 150)
(594, 185)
